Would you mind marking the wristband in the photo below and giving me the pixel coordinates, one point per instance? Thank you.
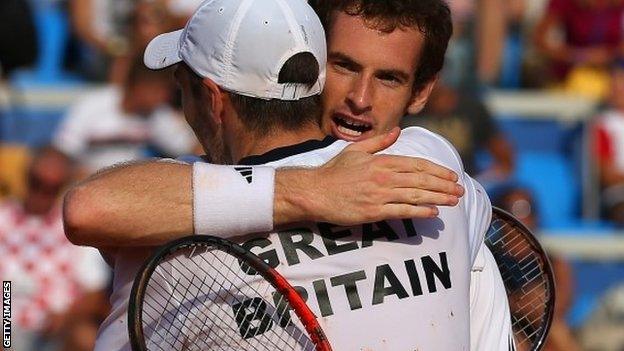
(232, 200)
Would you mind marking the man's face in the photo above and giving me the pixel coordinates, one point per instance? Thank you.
(370, 75)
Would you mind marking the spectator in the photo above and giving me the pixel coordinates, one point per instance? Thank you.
(603, 330)
(609, 149)
(592, 40)
(148, 19)
(49, 274)
(103, 25)
(475, 51)
(116, 124)
(520, 203)
(467, 124)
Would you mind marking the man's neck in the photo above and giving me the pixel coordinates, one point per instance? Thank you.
(250, 145)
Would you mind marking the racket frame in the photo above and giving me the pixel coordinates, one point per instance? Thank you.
(550, 277)
(281, 285)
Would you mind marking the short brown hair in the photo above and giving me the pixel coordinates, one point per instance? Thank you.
(264, 117)
(267, 116)
(431, 17)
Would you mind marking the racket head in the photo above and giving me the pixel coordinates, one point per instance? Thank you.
(528, 278)
(196, 247)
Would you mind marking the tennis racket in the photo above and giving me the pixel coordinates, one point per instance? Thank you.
(207, 293)
(528, 279)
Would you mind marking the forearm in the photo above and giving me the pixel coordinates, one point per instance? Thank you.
(82, 19)
(294, 196)
(150, 203)
(491, 33)
(138, 204)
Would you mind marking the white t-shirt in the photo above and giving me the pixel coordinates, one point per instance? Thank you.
(409, 280)
(490, 319)
(99, 133)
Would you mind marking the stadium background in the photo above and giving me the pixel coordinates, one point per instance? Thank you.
(56, 52)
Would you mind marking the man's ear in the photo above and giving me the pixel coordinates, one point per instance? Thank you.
(420, 97)
(215, 98)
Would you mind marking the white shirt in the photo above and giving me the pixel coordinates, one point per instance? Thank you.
(99, 133)
(490, 318)
(49, 274)
(429, 307)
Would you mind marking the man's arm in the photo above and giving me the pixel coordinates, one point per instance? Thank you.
(150, 203)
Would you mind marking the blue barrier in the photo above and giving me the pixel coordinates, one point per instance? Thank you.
(52, 24)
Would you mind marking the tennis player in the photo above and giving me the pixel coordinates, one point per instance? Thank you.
(377, 73)
(350, 127)
(240, 105)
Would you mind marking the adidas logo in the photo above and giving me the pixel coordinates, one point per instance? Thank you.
(246, 172)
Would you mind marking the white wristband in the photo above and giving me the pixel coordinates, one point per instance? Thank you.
(232, 200)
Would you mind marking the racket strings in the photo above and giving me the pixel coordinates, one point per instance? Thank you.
(208, 300)
(204, 316)
(165, 333)
(193, 333)
(175, 325)
(227, 278)
(268, 289)
(524, 273)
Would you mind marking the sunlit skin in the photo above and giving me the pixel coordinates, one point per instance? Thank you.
(370, 76)
(198, 105)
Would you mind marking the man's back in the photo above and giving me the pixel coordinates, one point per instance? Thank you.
(389, 285)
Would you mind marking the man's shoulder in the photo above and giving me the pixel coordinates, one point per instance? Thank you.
(420, 142)
(311, 158)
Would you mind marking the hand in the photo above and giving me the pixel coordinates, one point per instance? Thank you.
(358, 187)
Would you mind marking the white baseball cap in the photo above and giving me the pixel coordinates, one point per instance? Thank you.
(242, 45)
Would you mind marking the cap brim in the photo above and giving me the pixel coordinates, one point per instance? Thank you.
(163, 51)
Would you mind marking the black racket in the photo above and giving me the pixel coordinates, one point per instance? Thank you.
(528, 279)
(207, 293)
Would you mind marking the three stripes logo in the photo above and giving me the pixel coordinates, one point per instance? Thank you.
(246, 172)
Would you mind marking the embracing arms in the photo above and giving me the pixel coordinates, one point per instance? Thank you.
(150, 203)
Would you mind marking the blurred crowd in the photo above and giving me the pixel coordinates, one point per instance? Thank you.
(569, 46)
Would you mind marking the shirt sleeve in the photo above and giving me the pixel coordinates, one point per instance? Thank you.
(73, 133)
(416, 141)
(478, 211)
